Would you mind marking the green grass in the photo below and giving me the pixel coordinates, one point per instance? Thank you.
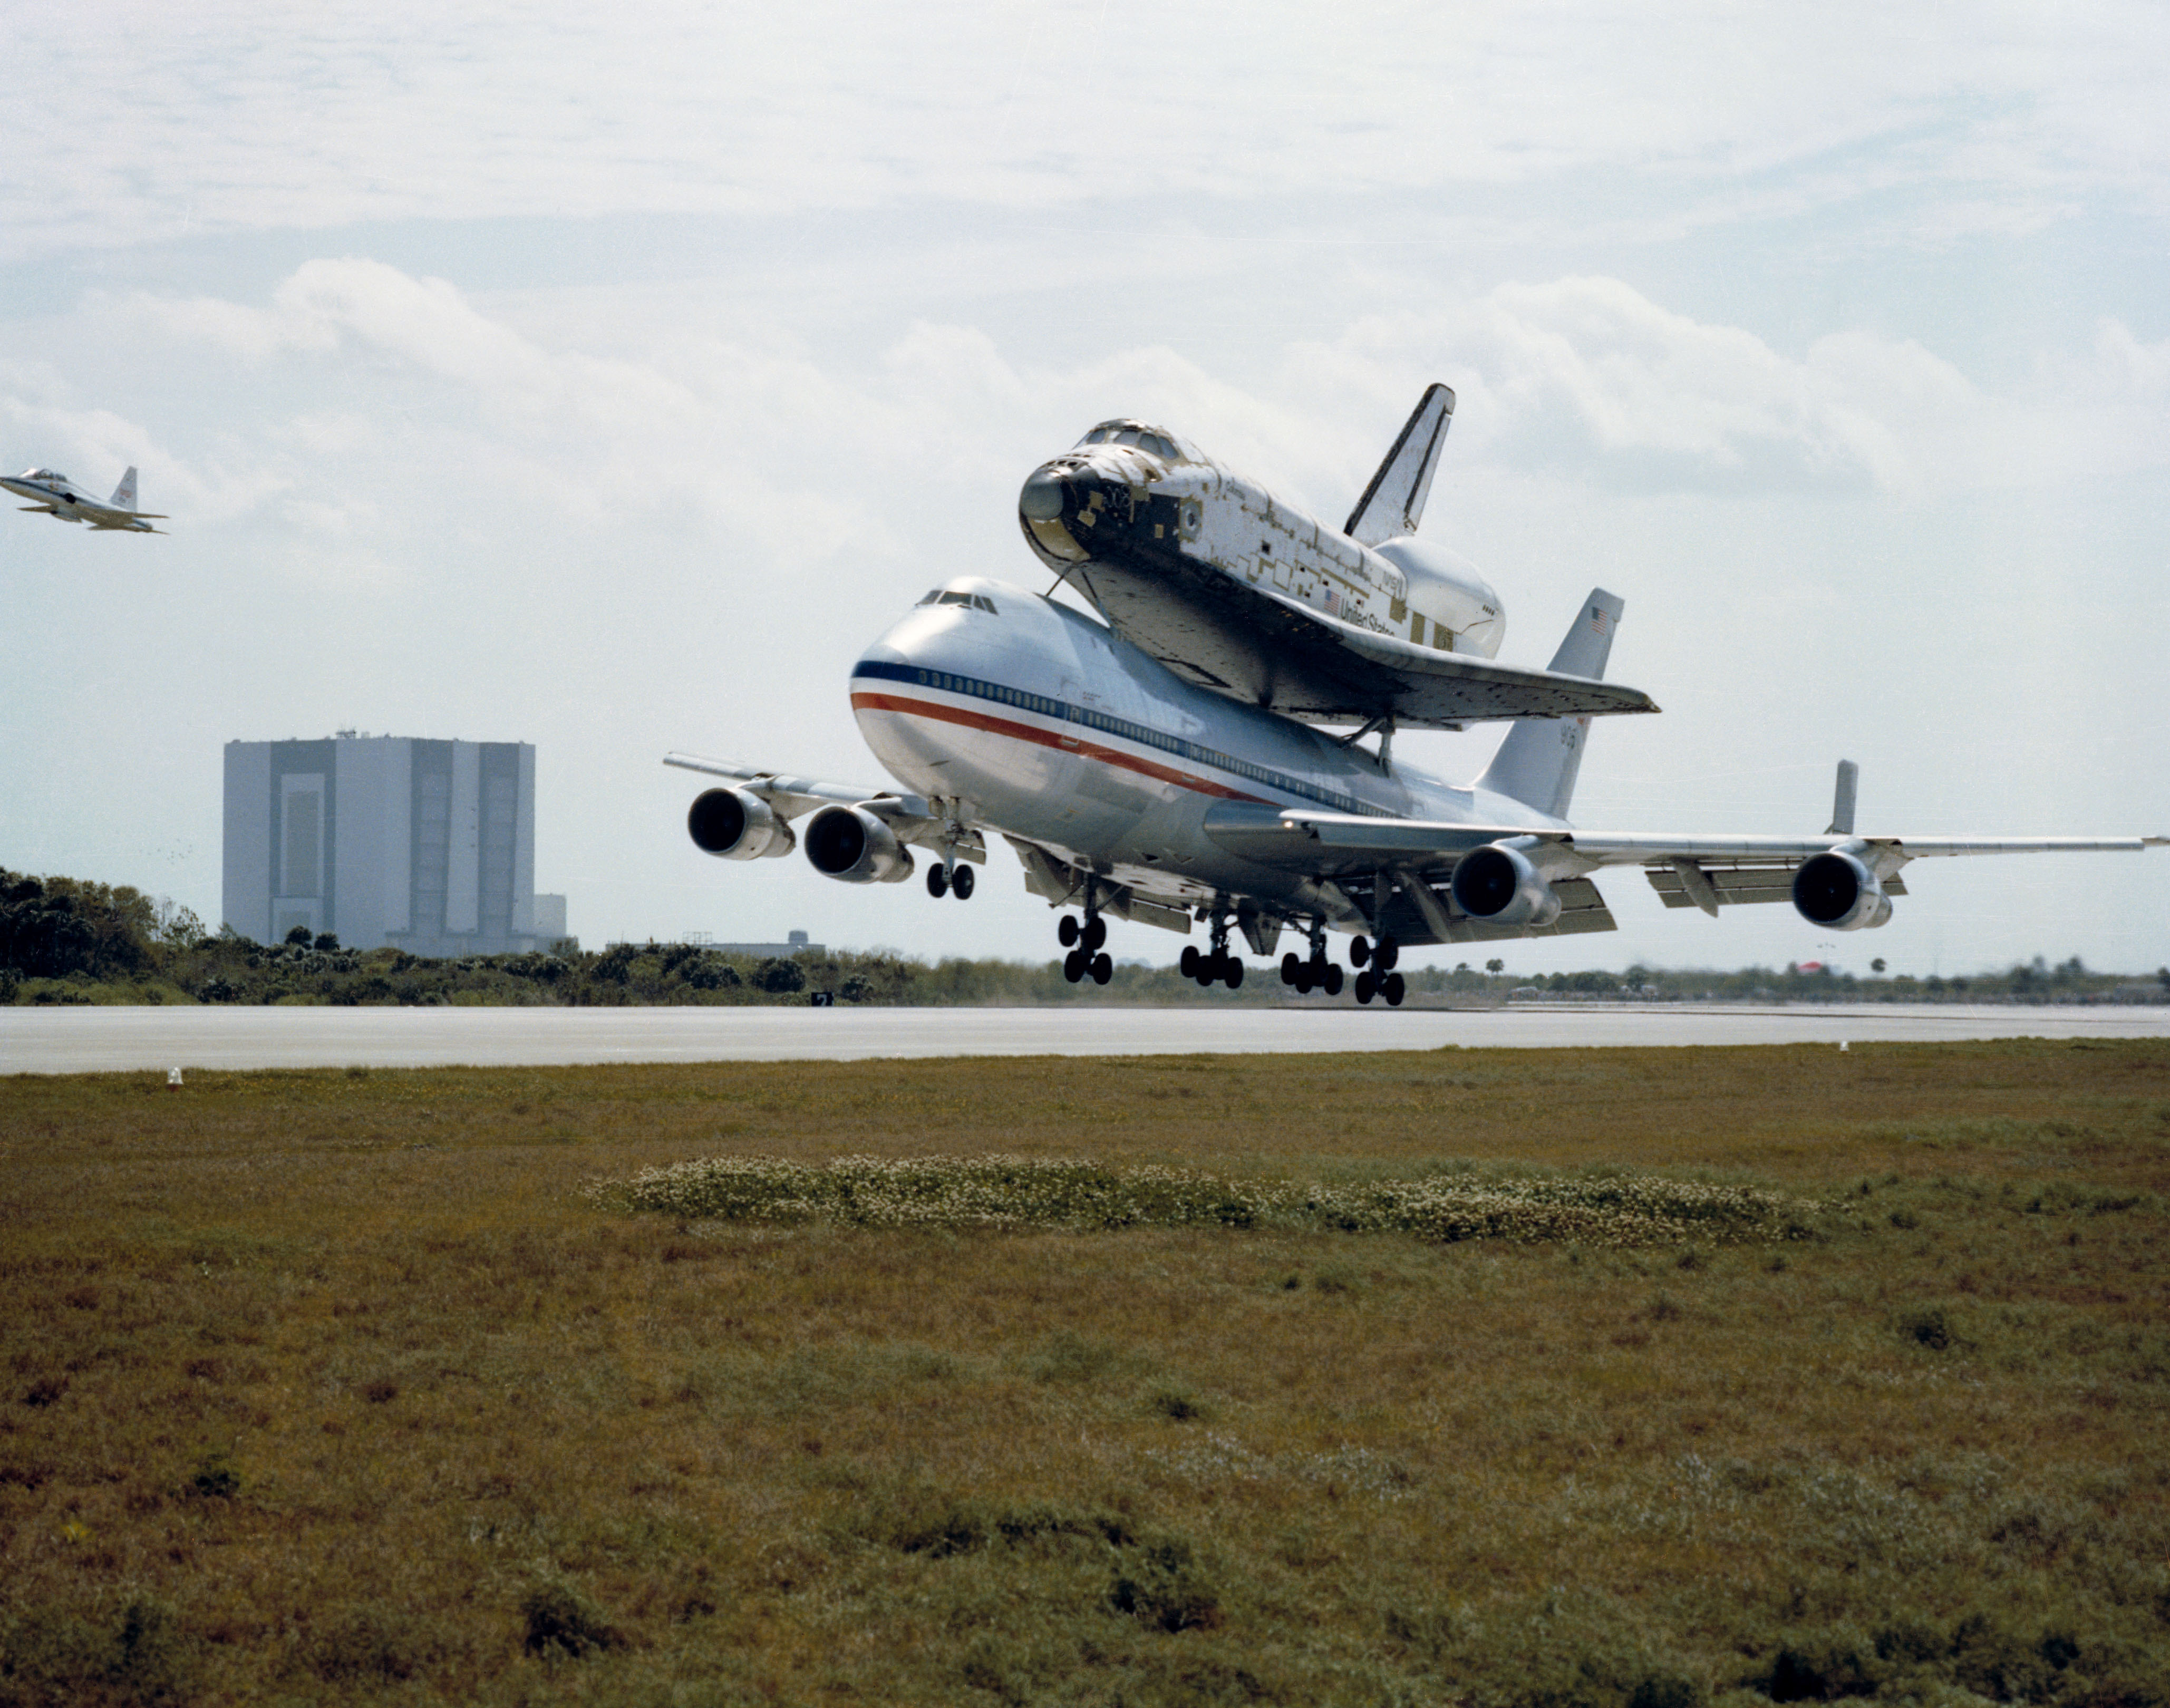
(371, 1386)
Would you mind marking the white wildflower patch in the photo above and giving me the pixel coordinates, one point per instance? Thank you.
(1000, 1191)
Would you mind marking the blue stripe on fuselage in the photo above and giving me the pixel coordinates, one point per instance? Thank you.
(1106, 723)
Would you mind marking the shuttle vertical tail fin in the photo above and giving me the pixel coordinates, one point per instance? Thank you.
(124, 495)
(1537, 763)
(1394, 502)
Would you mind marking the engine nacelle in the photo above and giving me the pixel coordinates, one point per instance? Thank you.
(1840, 893)
(732, 824)
(852, 845)
(1498, 885)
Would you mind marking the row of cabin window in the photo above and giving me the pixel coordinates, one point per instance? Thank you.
(1138, 733)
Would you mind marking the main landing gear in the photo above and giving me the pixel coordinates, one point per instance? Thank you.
(951, 878)
(1086, 958)
(1216, 962)
(1379, 979)
(1315, 973)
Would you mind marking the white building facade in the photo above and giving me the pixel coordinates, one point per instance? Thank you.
(425, 845)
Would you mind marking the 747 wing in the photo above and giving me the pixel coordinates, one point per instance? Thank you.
(853, 826)
(1478, 881)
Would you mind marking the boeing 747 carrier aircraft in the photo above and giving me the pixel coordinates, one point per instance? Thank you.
(1136, 787)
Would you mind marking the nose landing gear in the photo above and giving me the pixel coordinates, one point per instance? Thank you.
(949, 876)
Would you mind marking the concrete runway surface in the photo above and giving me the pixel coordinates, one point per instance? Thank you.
(106, 1040)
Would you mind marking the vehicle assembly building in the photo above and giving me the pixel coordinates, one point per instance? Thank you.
(425, 845)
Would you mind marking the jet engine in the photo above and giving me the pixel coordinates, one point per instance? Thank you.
(733, 825)
(1837, 890)
(1497, 884)
(850, 843)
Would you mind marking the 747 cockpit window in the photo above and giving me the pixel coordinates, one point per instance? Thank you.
(970, 601)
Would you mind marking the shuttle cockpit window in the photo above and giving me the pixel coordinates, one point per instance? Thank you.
(1131, 433)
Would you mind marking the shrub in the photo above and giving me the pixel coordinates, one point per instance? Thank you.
(560, 1621)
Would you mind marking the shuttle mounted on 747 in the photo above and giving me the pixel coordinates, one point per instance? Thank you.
(1177, 762)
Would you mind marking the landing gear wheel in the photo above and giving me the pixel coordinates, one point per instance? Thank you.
(938, 880)
(1231, 971)
(1393, 989)
(1332, 979)
(1385, 953)
(1360, 950)
(1209, 970)
(1291, 968)
(960, 883)
(1364, 987)
(1094, 937)
(1073, 966)
(1188, 961)
(1066, 932)
(1305, 978)
(1104, 968)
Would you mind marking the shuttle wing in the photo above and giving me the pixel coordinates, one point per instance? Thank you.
(1215, 630)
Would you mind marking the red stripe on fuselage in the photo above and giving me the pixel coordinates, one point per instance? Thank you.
(1048, 738)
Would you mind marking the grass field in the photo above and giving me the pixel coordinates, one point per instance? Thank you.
(357, 1386)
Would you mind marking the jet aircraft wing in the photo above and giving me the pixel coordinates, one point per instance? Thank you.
(1686, 871)
(913, 817)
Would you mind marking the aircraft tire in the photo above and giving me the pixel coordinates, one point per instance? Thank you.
(1066, 932)
(1189, 961)
(1332, 979)
(1232, 972)
(1104, 968)
(1290, 968)
(1094, 937)
(960, 883)
(1073, 966)
(1304, 979)
(1385, 953)
(1360, 950)
(1364, 987)
(1393, 989)
(938, 880)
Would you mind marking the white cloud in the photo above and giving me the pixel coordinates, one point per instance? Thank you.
(127, 122)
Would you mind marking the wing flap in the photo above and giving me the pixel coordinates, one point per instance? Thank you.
(1737, 884)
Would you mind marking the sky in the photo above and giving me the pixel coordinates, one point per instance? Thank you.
(608, 379)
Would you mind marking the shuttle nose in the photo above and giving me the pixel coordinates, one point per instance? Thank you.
(1042, 498)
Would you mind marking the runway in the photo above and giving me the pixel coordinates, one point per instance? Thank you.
(107, 1040)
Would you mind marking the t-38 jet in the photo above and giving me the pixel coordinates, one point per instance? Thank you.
(55, 495)
(1183, 778)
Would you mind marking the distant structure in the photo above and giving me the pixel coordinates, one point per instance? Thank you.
(798, 945)
(425, 845)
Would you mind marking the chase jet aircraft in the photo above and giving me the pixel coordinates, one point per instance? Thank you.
(56, 496)
(1135, 783)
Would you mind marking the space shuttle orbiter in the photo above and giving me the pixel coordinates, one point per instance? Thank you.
(1237, 591)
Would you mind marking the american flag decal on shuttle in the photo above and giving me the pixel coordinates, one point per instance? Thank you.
(1600, 621)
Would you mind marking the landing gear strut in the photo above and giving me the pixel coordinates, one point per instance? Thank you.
(1315, 973)
(1379, 979)
(1088, 959)
(950, 877)
(1216, 962)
